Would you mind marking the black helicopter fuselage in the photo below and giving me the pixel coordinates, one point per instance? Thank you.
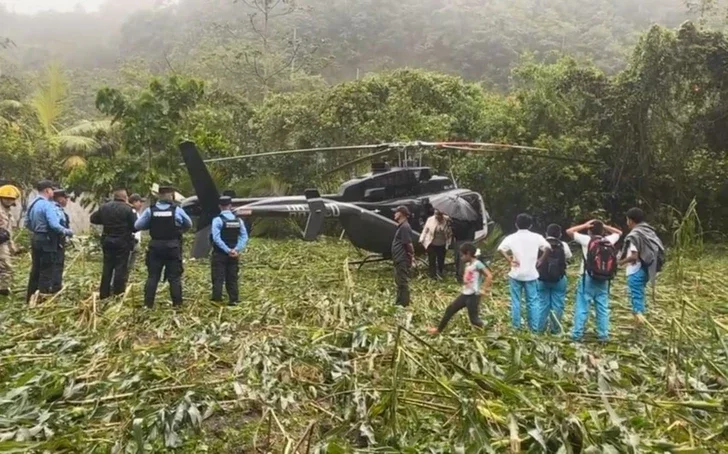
(364, 206)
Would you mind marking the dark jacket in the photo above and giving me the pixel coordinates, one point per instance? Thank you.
(118, 218)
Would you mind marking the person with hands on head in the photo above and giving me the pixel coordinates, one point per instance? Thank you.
(521, 249)
(166, 222)
(403, 255)
(473, 276)
(43, 221)
(598, 267)
(229, 238)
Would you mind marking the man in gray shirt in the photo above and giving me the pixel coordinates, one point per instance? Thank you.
(403, 255)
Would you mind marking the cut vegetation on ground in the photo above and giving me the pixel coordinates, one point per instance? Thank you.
(317, 359)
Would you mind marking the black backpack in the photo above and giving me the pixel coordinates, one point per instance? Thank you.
(4, 236)
(553, 269)
(601, 259)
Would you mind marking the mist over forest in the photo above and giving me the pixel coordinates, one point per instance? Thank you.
(479, 40)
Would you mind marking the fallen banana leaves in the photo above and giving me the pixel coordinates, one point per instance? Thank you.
(317, 359)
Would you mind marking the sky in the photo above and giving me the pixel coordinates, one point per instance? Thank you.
(34, 6)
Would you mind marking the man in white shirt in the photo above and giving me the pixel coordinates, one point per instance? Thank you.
(521, 250)
(137, 202)
(552, 282)
(589, 289)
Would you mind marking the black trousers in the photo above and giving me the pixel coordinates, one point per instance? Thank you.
(44, 250)
(164, 256)
(133, 254)
(224, 270)
(436, 260)
(401, 279)
(59, 263)
(116, 264)
(472, 302)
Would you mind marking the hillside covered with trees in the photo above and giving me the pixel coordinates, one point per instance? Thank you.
(102, 98)
(629, 97)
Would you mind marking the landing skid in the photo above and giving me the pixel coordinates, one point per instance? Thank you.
(371, 258)
(375, 258)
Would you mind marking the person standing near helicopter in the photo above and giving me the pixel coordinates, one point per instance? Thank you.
(403, 255)
(436, 237)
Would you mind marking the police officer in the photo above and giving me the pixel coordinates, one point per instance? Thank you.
(60, 200)
(165, 222)
(229, 238)
(117, 242)
(44, 221)
(9, 194)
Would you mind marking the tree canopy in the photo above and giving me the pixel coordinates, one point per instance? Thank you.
(590, 81)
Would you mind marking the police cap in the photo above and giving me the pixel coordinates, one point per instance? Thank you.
(59, 193)
(225, 200)
(45, 184)
(167, 190)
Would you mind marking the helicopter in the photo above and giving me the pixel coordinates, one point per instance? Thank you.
(364, 206)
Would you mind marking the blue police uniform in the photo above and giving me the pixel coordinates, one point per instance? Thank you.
(228, 234)
(165, 222)
(60, 262)
(44, 221)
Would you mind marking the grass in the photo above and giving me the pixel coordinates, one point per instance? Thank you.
(317, 359)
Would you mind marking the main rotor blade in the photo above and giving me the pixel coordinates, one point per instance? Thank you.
(525, 152)
(360, 159)
(468, 146)
(302, 150)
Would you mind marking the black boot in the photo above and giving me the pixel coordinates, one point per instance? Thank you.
(4, 292)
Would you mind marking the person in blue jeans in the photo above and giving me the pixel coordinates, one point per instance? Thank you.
(553, 294)
(588, 289)
(521, 249)
(641, 255)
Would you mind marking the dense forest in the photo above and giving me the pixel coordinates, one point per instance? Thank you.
(102, 98)
(629, 97)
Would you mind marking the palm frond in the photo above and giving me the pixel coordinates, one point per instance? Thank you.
(73, 162)
(76, 144)
(50, 97)
(268, 186)
(87, 128)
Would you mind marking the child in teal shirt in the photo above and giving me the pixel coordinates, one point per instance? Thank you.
(473, 276)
